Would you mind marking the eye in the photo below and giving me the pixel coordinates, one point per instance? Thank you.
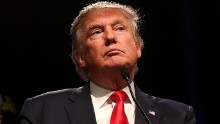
(119, 28)
(95, 31)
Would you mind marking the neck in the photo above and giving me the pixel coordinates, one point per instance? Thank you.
(111, 80)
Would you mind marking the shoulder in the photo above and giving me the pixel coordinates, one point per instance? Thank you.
(57, 96)
(172, 105)
(170, 110)
(167, 105)
(54, 94)
(48, 100)
(46, 104)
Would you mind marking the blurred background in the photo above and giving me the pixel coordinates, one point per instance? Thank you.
(180, 60)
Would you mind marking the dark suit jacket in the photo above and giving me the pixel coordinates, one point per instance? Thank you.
(74, 106)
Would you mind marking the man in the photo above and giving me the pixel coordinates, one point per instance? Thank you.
(105, 41)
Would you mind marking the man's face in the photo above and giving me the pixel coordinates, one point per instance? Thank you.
(109, 41)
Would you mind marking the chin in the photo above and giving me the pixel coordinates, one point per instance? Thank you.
(119, 65)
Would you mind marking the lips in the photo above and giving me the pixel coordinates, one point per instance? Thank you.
(112, 52)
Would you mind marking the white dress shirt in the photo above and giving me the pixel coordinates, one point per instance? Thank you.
(103, 106)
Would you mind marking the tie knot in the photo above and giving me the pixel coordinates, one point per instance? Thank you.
(119, 96)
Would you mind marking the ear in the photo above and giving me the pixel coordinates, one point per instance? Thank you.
(80, 60)
(138, 45)
(139, 52)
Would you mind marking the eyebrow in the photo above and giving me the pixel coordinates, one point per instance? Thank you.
(96, 25)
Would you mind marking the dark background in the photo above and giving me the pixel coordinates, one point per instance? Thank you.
(180, 60)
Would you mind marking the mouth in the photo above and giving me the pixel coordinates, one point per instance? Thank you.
(113, 52)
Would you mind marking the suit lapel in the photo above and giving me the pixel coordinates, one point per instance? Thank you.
(80, 109)
(148, 107)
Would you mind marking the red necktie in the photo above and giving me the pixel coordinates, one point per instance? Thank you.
(118, 115)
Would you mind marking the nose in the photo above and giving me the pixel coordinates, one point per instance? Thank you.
(109, 37)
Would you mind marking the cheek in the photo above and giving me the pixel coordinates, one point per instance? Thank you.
(93, 51)
(133, 49)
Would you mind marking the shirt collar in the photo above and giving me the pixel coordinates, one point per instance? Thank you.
(100, 95)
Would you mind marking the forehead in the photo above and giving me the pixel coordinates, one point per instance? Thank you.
(96, 15)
